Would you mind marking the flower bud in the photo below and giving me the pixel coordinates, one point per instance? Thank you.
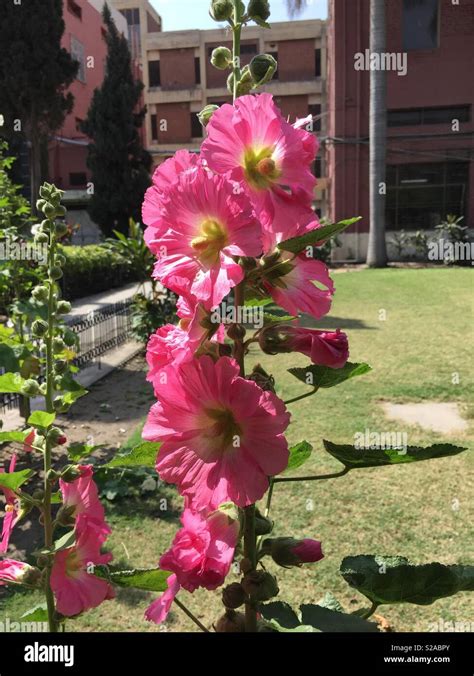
(60, 366)
(263, 525)
(244, 85)
(221, 10)
(47, 224)
(236, 332)
(262, 68)
(233, 596)
(231, 622)
(41, 238)
(52, 476)
(60, 406)
(245, 566)
(63, 307)
(58, 344)
(260, 585)
(70, 473)
(287, 551)
(206, 113)
(56, 436)
(39, 328)
(55, 272)
(40, 293)
(49, 211)
(70, 337)
(60, 260)
(43, 388)
(221, 58)
(65, 515)
(40, 204)
(259, 10)
(17, 572)
(38, 494)
(60, 229)
(263, 379)
(30, 388)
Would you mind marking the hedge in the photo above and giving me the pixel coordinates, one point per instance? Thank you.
(91, 269)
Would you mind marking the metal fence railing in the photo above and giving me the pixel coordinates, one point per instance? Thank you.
(99, 331)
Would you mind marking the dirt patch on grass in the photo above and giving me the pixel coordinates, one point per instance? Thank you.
(443, 417)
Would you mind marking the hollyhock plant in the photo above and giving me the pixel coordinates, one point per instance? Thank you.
(165, 175)
(222, 435)
(200, 556)
(252, 143)
(81, 497)
(206, 225)
(327, 348)
(12, 509)
(75, 586)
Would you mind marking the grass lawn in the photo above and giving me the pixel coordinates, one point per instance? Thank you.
(415, 328)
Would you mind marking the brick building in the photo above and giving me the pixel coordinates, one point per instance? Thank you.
(430, 126)
(179, 79)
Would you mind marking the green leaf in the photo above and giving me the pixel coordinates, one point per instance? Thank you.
(331, 602)
(15, 435)
(299, 453)
(326, 619)
(56, 498)
(143, 455)
(354, 457)
(41, 419)
(11, 382)
(148, 579)
(77, 450)
(13, 480)
(65, 542)
(37, 614)
(258, 302)
(323, 376)
(8, 358)
(280, 612)
(393, 579)
(317, 236)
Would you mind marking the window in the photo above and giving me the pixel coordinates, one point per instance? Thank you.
(317, 62)
(133, 21)
(154, 127)
(196, 126)
(79, 123)
(78, 179)
(154, 74)
(77, 53)
(75, 9)
(417, 116)
(132, 16)
(248, 49)
(420, 195)
(197, 70)
(420, 24)
(315, 110)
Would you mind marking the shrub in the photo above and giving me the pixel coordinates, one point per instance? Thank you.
(93, 268)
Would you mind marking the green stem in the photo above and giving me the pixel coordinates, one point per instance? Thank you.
(301, 396)
(250, 553)
(47, 517)
(236, 31)
(190, 615)
(317, 477)
(369, 612)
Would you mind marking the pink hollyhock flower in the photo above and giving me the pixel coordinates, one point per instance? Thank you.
(200, 556)
(252, 143)
(12, 509)
(75, 586)
(222, 435)
(17, 572)
(295, 291)
(207, 224)
(329, 348)
(81, 495)
(29, 441)
(166, 174)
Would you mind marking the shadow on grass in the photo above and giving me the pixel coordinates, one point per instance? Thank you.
(331, 322)
(160, 505)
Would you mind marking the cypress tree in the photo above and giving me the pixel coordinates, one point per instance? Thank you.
(35, 72)
(118, 162)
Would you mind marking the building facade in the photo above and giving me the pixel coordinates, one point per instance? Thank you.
(430, 125)
(180, 80)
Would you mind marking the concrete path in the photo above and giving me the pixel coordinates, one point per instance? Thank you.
(435, 416)
(83, 306)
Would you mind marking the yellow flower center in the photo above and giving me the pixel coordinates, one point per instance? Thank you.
(225, 429)
(260, 168)
(9, 508)
(209, 243)
(73, 564)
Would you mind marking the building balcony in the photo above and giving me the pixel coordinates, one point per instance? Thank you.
(159, 95)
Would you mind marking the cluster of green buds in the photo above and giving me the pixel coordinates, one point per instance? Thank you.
(51, 332)
(257, 11)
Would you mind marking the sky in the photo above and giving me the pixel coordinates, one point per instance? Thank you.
(183, 14)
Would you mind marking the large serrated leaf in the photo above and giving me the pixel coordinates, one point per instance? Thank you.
(326, 619)
(299, 453)
(148, 579)
(323, 376)
(317, 236)
(354, 457)
(143, 455)
(13, 480)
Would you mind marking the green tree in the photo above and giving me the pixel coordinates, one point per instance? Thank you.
(118, 162)
(35, 72)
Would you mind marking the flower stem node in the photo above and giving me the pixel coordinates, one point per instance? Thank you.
(52, 476)
(260, 585)
(233, 596)
(221, 10)
(231, 622)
